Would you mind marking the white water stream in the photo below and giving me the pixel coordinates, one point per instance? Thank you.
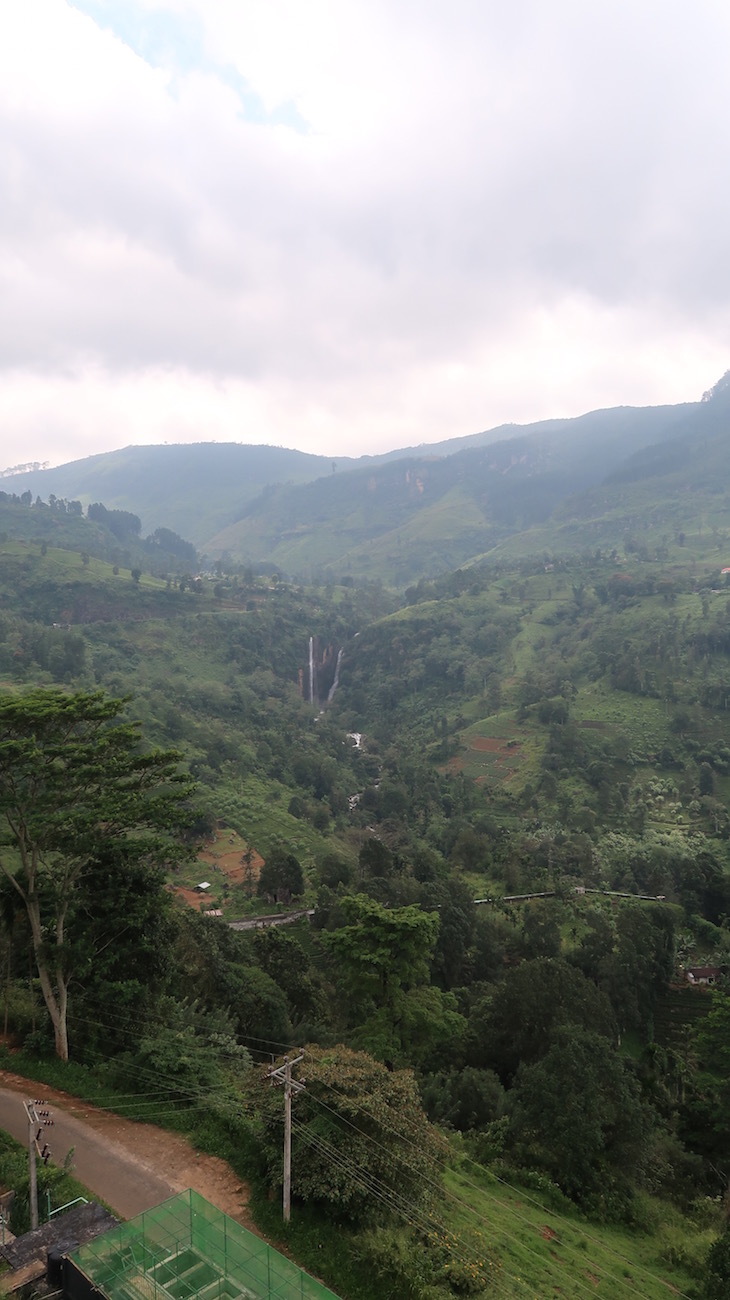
(336, 681)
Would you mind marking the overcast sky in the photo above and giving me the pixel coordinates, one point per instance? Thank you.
(350, 226)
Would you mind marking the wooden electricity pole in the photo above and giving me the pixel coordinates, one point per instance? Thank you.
(283, 1075)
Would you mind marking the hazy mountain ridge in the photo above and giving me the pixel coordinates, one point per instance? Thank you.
(191, 488)
(410, 513)
(423, 515)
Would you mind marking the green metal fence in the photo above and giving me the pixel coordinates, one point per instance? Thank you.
(187, 1248)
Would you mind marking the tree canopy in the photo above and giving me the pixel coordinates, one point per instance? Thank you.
(382, 950)
(359, 1131)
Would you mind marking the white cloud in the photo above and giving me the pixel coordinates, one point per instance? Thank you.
(494, 212)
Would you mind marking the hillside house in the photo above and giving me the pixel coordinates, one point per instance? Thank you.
(706, 975)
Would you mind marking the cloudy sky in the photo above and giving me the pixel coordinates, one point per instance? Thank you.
(352, 225)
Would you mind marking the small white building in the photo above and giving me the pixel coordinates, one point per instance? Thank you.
(702, 974)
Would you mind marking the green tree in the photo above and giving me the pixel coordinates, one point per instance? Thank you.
(216, 963)
(519, 1023)
(705, 1116)
(375, 859)
(578, 1113)
(333, 871)
(457, 925)
(120, 932)
(75, 787)
(281, 876)
(712, 1037)
(356, 1125)
(638, 972)
(421, 1027)
(382, 950)
(284, 960)
(707, 779)
(464, 1099)
(540, 931)
(717, 1275)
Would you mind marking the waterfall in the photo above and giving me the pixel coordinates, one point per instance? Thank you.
(311, 670)
(336, 682)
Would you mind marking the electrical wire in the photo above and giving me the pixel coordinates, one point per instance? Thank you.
(464, 1205)
(393, 1201)
(198, 1098)
(411, 1214)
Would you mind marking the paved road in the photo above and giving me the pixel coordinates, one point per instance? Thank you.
(279, 918)
(123, 1180)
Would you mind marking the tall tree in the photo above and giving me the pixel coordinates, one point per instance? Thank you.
(76, 789)
(356, 1126)
(382, 950)
(518, 1023)
(281, 876)
(578, 1113)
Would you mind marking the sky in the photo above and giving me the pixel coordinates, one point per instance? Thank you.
(349, 226)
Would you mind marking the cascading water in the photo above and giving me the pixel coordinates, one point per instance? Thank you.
(311, 670)
(336, 681)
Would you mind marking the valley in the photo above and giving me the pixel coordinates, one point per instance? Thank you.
(414, 684)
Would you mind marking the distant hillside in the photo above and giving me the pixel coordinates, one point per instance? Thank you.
(397, 518)
(421, 515)
(112, 535)
(608, 434)
(653, 500)
(195, 490)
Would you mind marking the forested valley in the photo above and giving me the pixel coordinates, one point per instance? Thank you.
(495, 803)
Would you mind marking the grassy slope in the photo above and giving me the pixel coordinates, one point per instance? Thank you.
(543, 1252)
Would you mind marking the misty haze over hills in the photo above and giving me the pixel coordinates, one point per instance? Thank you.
(411, 511)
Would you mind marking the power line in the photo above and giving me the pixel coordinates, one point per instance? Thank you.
(198, 1098)
(464, 1205)
(393, 1201)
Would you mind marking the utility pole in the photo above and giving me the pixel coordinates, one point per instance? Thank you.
(283, 1075)
(36, 1121)
(33, 1183)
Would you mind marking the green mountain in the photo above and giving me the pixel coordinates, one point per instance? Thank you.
(192, 489)
(418, 516)
(656, 498)
(397, 517)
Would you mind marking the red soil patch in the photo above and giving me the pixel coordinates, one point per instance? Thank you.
(487, 744)
(189, 896)
(548, 1234)
(232, 864)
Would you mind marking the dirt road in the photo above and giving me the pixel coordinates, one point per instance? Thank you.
(131, 1166)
